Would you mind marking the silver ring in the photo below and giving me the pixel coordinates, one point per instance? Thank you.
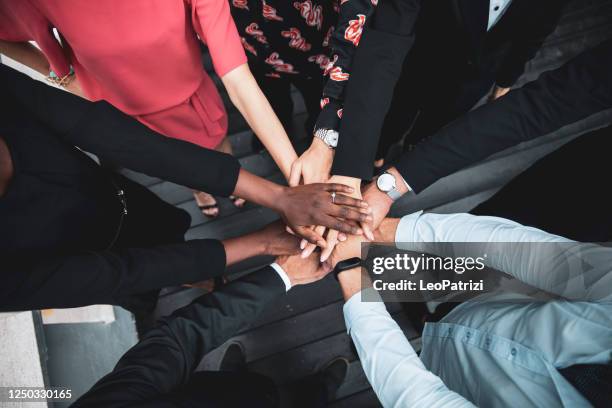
(333, 197)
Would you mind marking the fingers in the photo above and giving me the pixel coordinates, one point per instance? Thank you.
(311, 236)
(332, 240)
(368, 231)
(296, 173)
(341, 199)
(338, 188)
(309, 249)
(337, 224)
(348, 213)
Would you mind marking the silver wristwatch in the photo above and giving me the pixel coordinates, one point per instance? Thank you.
(387, 184)
(328, 136)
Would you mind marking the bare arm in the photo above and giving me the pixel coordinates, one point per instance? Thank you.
(253, 105)
(26, 54)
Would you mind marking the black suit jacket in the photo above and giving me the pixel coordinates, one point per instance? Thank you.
(99, 128)
(446, 30)
(165, 359)
(578, 89)
(61, 209)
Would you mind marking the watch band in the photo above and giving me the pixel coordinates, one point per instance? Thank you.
(328, 136)
(394, 194)
(346, 265)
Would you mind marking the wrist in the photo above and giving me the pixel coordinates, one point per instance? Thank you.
(350, 282)
(348, 181)
(400, 184)
(320, 146)
(275, 199)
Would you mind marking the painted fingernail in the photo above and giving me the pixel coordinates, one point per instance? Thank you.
(303, 244)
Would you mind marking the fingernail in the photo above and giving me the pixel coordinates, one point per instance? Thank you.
(303, 244)
(304, 255)
(359, 231)
(322, 259)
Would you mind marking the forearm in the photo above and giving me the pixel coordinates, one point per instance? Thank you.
(389, 361)
(244, 247)
(103, 130)
(40, 283)
(578, 89)
(376, 68)
(26, 54)
(253, 105)
(259, 190)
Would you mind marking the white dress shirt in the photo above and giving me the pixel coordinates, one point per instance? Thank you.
(496, 353)
(497, 8)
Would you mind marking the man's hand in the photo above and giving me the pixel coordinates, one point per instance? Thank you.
(380, 203)
(277, 241)
(303, 206)
(314, 165)
(497, 93)
(302, 271)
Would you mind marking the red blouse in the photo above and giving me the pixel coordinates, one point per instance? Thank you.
(142, 56)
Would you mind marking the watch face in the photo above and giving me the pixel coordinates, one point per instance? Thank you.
(386, 182)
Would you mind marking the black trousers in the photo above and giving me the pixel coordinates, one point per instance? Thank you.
(278, 93)
(149, 222)
(428, 96)
(243, 389)
(565, 193)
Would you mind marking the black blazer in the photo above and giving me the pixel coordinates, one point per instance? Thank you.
(458, 27)
(61, 209)
(166, 357)
(578, 89)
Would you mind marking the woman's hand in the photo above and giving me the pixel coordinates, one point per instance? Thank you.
(314, 165)
(312, 204)
(333, 235)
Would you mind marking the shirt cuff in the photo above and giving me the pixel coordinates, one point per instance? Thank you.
(283, 275)
(355, 308)
(406, 229)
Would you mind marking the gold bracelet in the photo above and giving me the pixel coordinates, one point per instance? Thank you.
(61, 81)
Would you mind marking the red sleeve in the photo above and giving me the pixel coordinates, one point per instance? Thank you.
(20, 22)
(214, 24)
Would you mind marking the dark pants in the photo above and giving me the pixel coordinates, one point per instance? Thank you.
(426, 98)
(243, 389)
(278, 93)
(566, 193)
(149, 222)
(224, 389)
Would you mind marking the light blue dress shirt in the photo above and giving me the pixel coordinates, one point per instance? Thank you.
(498, 353)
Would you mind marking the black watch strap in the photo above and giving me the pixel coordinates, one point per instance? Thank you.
(346, 265)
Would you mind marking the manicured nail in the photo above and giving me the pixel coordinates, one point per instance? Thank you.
(303, 244)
